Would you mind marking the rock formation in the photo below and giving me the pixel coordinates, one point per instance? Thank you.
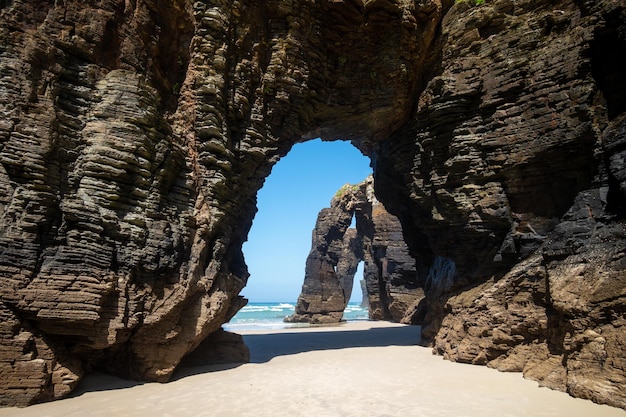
(135, 134)
(391, 283)
(508, 181)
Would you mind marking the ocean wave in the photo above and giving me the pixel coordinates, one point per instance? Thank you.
(260, 308)
(254, 309)
(260, 315)
(258, 326)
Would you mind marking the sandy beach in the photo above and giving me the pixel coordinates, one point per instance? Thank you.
(354, 369)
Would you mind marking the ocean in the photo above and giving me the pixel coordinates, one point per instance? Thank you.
(269, 316)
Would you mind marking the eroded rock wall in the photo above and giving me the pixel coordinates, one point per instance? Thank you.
(391, 283)
(393, 286)
(509, 185)
(134, 136)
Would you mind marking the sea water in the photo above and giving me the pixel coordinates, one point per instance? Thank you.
(269, 316)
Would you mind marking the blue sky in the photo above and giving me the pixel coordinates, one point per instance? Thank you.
(300, 185)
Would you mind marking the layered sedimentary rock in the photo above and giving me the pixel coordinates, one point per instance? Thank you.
(391, 284)
(133, 139)
(134, 136)
(509, 183)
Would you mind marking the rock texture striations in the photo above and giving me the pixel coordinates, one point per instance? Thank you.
(133, 139)
(508, 181)
(134, 136)
(391, 283)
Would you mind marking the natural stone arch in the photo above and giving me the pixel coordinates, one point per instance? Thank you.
(150, 129)
(300, 183)
(138, 132)
(392, 287)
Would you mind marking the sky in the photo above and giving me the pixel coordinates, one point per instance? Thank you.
(300, 185)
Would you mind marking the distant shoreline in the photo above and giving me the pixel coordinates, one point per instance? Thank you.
(269, 316)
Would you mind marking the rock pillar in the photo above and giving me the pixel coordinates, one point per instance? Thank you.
(390, 280)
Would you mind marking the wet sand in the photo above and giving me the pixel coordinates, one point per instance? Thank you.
(354, 369)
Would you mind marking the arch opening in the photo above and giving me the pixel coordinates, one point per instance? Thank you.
(359, 291)
(301, 184)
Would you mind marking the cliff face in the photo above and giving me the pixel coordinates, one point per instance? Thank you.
(509, 182)
(135, 135)
(391, 284)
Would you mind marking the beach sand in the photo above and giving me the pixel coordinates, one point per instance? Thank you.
(353, 369)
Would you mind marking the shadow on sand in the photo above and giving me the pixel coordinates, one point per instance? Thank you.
(104, 382)
(264, 347)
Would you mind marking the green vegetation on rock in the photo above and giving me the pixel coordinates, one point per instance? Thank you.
(472, 2)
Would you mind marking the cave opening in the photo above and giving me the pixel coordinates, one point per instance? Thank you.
(301, 184)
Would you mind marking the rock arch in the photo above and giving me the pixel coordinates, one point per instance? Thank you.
(392, 286)
(135, 134)
(136, 137)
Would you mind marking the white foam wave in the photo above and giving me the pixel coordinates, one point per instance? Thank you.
(254, 309)
(258, 326)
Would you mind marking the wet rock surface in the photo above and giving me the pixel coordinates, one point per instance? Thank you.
(135, 135)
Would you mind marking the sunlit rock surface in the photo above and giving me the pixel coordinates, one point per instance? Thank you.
(508, 181)
(135, 135)
(392, 288)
